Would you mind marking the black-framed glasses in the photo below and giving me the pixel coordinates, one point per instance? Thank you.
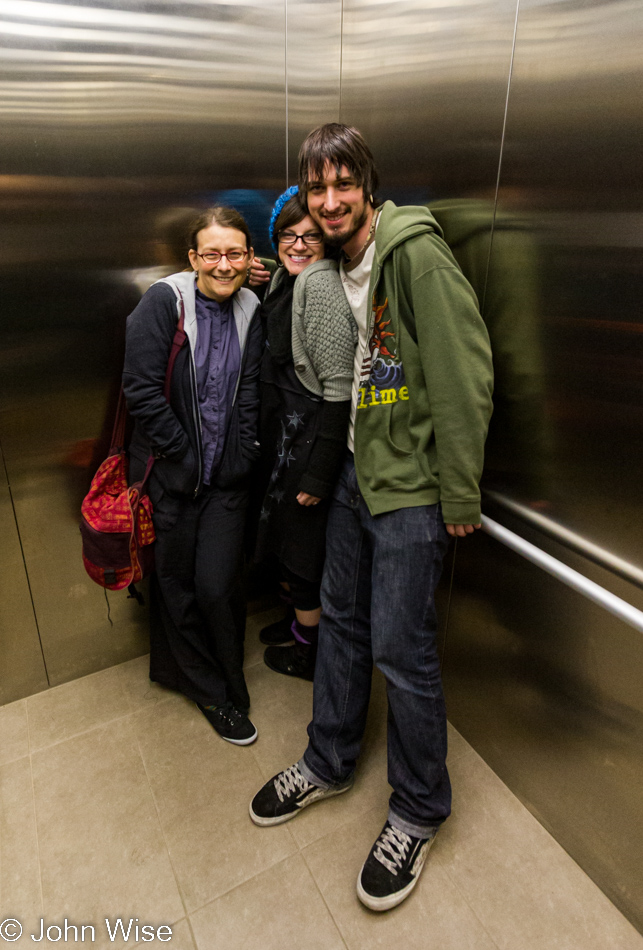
(213, 257)
(310, 238)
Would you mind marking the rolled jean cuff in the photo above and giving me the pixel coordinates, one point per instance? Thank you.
(415, 831)
(310, 776)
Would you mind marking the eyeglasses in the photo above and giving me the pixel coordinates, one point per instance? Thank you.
(310, 239)
(213, 257)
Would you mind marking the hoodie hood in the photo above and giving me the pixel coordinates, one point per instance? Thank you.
(244, 304)
(397, 225)
(464, 218)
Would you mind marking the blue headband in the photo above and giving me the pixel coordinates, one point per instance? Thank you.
(278, 208)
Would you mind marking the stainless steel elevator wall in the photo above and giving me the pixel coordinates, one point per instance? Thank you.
(426, 82)
(544, 684)
(113, 117)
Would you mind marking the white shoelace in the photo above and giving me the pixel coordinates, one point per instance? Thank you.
(396, 843)
(289, 781)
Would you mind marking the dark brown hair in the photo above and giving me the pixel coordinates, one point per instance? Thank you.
(292, 213)
(340, 145)
(224, 217)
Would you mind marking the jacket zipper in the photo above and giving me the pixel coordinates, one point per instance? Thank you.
(196, 416)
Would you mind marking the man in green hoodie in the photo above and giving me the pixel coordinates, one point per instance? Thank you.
(420, 409)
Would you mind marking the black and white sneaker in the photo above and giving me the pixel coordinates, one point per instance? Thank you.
(392, 868)
(286, 794)
(231, 724)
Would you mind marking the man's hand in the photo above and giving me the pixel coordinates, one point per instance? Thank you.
(259, 274)
(461, 530)
(305, 499)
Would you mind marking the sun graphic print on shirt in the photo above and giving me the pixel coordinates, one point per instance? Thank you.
(382, 378)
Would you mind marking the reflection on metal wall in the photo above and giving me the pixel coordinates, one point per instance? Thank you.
(426, 82)
(313, 43)
(21, 660)
(571, 168)
(546, 685)
(113, 117)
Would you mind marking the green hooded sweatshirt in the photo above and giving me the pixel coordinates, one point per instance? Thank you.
(425, 391)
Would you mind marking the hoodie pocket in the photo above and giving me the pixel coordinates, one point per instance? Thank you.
(393, 437)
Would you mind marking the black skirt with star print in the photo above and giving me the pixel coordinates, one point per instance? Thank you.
(290, 421)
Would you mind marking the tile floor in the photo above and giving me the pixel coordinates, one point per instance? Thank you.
(117, 799)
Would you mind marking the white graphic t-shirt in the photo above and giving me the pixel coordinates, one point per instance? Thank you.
(355, 284)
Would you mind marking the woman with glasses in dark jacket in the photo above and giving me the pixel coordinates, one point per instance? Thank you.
(306, 379)
(205, 443)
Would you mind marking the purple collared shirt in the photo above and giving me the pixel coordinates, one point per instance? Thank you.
(218, 360)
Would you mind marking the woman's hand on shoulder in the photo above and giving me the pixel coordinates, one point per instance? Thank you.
(305, 499)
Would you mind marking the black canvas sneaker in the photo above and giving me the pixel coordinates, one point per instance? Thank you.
(296, 660)
(392, 869)
(286, 794)
(231, 724)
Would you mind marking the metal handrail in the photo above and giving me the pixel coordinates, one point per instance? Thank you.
(593, 552)
(578, 582)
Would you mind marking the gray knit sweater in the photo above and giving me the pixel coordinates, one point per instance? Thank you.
(324, 333)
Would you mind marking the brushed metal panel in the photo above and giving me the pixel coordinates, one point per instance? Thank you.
(22, 668)
(547, 688)
(426, 83)
(313, 61)
(111, 117)
(571, 168)
(48, 480)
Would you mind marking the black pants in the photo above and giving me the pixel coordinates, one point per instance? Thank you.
(198, 605)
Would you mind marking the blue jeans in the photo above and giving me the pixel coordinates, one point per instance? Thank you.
(378, 607)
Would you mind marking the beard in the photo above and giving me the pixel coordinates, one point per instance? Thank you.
(341, 238)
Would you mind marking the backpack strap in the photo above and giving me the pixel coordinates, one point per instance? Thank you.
(118, 432)
(180, 336)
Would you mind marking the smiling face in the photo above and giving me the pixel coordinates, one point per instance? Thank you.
(221, 280)
(337, 203)
(297, 256)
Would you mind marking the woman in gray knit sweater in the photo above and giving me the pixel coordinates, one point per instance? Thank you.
(306, 378)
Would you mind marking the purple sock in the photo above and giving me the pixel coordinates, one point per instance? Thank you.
(303, 634)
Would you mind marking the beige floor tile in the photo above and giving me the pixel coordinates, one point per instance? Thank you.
(71, 709)
(280, 908)
(253, 646)
(20, 895)
(457, 745)
(434, 917)
(190, 767)
(202, 787)
(527, 891)
(281, 709)
(181, 938)
(139, 691)
(102, 851)
(14, 732)
(211, 856)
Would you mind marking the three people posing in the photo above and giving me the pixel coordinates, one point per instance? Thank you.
(420, 406)
(420, 402)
